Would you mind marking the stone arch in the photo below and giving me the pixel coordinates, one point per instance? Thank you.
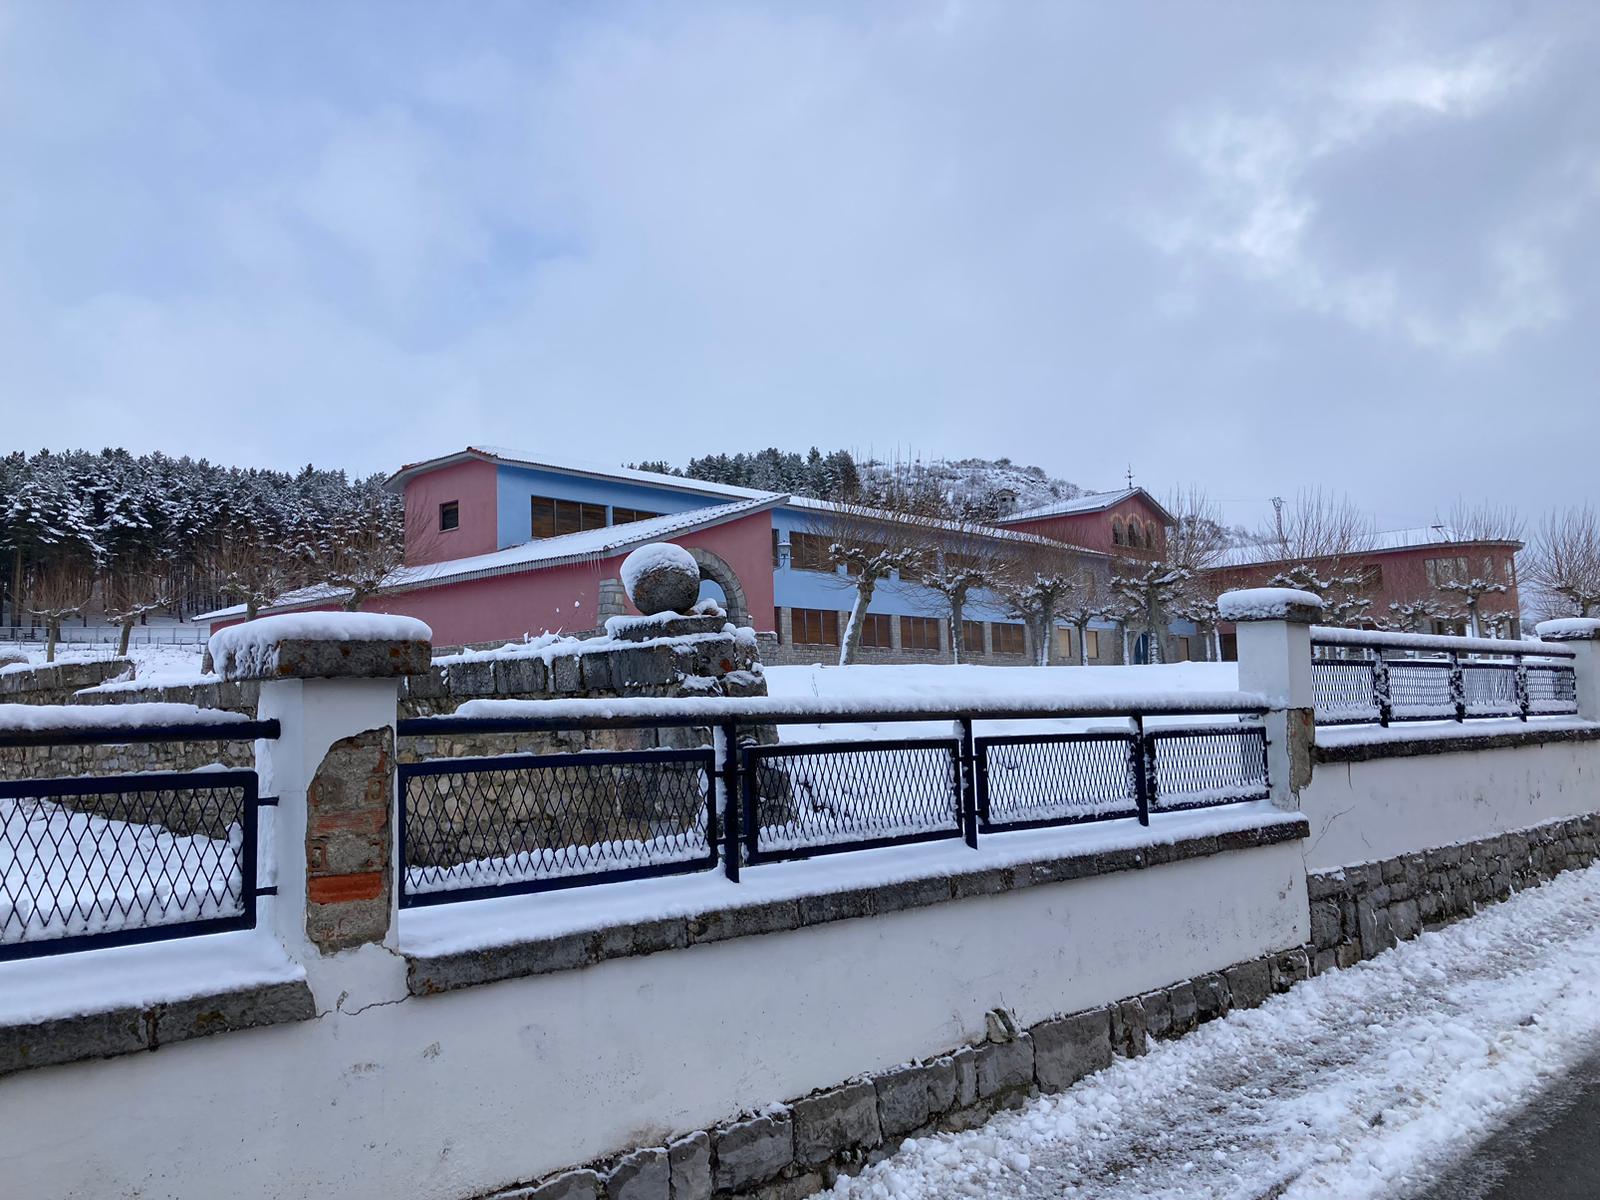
(715, 568)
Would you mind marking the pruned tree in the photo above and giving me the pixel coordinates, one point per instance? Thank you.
(1344, 594)
(1043, 575)
(873, 539)
(964, 557)
(1564, 562)
(1472, 590)
(133, 590)
(1151, 589)
(1200, 608)
(252, 569)
(1087, 601)
(1417, 615)
(60, 587)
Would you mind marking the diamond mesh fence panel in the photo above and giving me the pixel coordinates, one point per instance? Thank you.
(1552, 689)
(803, 799)
(529, 822)
(1196, 768)
(1055, 779)
(1420, 689)
(1343, 690)
(111, 859)
(1490, 689)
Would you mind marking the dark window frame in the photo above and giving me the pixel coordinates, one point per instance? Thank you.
(449, 516)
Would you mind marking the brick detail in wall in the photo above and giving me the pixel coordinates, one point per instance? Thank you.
(1363, 910)
(799, 1148)
(348, 864)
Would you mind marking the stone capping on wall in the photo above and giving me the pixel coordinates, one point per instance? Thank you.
(799, 1148)
(1462, 743)
(432, 974)
(131, 1028)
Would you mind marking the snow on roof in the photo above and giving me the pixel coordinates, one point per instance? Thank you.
(1383, 542)
(572, 466)
(1011, 535)
(1088, 502)
(588, 545)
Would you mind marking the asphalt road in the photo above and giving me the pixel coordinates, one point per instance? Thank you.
(1550, 1151)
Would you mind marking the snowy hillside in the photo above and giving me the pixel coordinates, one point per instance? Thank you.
(982, 486)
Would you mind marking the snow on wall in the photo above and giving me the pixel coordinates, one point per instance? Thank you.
(1263, 604)
(253, 645)
(556, 1069)
(1382, 807)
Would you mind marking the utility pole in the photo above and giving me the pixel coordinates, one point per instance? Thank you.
(1277, 509)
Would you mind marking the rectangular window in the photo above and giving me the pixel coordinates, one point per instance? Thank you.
(1063, 646)
(809, 552)
(972, 636)
(450, 515)
(1445, 570)
(1180, 649)
(919, 633)
(775, 561)
(624, 516)
(1091, 643)
(814, 626)
(1008, 638)
(552, 517)
(875, 631)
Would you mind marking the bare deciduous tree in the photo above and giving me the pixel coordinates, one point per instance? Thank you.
(1088, 600)
(1039, 582)
(59, 587)
(133, 590)
(253, 570)
(1564, 562)
(1318, 526)
(964, 557)
(1417, 615)
(364, 548)
(1151, 589)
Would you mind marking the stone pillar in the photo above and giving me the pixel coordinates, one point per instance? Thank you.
(1581, 635)
(332, 682)
(1274, 631)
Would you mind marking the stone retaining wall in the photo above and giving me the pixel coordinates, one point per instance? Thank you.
(1361, 911)
(794, 1150)
(56, 683)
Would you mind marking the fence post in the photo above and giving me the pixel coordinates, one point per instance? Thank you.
(1458, 687)
(726, 742)
(1582, 636)
(969, 784)
(332, 681)
(1274, 633)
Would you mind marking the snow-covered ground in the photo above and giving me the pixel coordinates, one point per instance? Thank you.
(155, 662)
(1360, 1083)
(949, 686)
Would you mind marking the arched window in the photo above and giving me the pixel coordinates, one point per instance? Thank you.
(1133, 533)
(1116, 532)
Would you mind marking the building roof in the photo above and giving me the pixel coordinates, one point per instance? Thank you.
(1387, 541)
(1087, 503)
(978, 529)
(502, 455)
(589, 545)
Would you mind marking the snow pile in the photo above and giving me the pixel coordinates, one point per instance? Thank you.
(34, 718)
(550, 646)
(71, 873)
(1360, 1083)
(655, 555)
(1264, 604)
(253, 644)
(1569, 627)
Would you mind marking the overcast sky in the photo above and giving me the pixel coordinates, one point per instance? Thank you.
(1252, 246)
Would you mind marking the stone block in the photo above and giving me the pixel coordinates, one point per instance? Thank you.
(572, 1185)
(651, 667)
(1376, 932)
(642, 1175)
(1004, 1066)
(1325, 961)
(1128, 1030)
(1249, 984)
(944, 1079)
(903, 1100)
(752, 1152)
(1211, 996)
(792, 1187)
(472, 678)
(566, 676)
(842, 1119)
(521, 677)
(836, 906)
(1325, 924)
(772, 917)
(1406, 919)
(689, 1167)
(1157, 1007)
(1185, 1007)
(914, 893)
(1289, 968)
(1068, 1048)
(600, 674)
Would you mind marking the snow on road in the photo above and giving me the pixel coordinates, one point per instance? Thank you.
(1360, 1083)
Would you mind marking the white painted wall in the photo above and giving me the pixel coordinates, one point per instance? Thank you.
(1364, 811)
(448, 1096)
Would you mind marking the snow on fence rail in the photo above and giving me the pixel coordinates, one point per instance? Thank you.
(109, 860)
(1356, 679)
(473, 827)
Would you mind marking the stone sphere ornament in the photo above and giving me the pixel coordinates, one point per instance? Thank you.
(660, 577)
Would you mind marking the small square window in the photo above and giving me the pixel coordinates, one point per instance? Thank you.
(450, 515)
